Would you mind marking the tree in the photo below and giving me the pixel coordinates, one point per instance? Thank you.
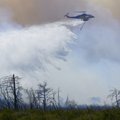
(31, 95)
(45, 94)
(58, 97)
(70, 103)
(5, 95)
(10, 90)
(115, 95)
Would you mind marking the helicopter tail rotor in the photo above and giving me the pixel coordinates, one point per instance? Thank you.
(66, 15)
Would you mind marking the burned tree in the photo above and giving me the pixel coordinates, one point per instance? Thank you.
(115, 95)
(45, 94)
(5, 94)
(32, 98)
(10, 90)
(59, 97)
(70, 103)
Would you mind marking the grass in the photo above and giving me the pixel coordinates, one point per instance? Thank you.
(88, 114)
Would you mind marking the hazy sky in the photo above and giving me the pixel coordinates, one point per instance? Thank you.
(84, 64)
(40, 11)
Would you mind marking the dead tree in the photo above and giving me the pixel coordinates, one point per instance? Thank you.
(58, 97)
(14, 92)
(5, 96)
(10, 90)
(115, 95)
(45, 94)
(70, 103)
(32, 98)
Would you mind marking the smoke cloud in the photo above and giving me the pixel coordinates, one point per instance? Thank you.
(92, 54)
(113, 6)
(29, 12)
(34, 48)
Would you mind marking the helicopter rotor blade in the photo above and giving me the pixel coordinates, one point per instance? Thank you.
(80, 11)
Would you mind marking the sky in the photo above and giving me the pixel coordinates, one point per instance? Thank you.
(39, 44)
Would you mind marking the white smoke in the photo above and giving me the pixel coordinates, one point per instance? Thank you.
(100, 38)
(34, 48)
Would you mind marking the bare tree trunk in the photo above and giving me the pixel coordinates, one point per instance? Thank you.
(117, 102)
(58, 97)
(14, 93)
(44, 100)
(44, 105)
(45, 94)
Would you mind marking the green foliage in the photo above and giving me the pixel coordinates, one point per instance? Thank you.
(88, 114)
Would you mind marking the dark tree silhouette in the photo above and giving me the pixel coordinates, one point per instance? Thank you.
(10, 90)
(70, 103)
(45, 94)
(115, 95)
(32, 97)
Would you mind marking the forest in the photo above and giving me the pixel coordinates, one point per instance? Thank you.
(43, 103)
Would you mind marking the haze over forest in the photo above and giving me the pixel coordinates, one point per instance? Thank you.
(37, 44)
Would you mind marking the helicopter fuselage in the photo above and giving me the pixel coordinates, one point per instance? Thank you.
(84, 17)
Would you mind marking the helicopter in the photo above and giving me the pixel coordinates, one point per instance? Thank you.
(84, 17)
